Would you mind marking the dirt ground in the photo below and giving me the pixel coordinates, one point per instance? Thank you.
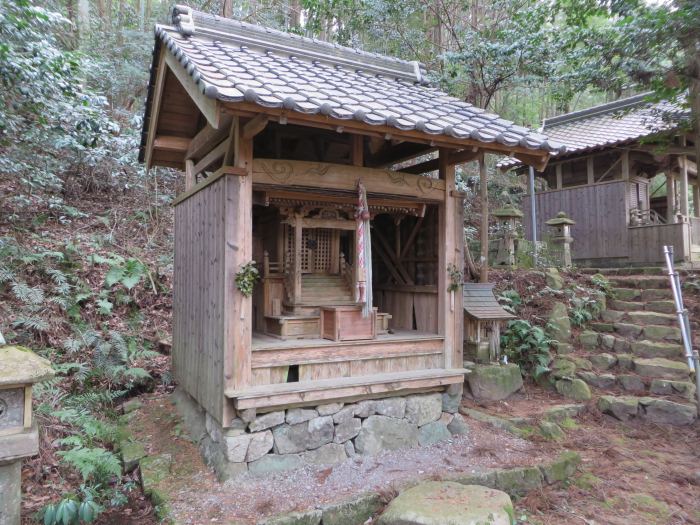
(630, 474)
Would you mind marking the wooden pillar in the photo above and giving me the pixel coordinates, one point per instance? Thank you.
(484, 197)
(298, 236)
(557, 170)
(458, 360)
(670, 198)
(590, 171)
(683, 161)
(238, 250)
(357, 150)
(625, 164)
(696, 199)
(446, 257)
(189, 174)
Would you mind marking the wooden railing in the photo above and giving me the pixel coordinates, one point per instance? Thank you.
(271, 267)
(643, 217)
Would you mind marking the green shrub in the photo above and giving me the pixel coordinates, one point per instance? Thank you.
(527, 346)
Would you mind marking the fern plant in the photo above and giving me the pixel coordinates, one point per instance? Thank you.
(527, 346)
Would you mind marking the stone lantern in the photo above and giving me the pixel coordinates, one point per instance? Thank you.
(561, 225)
(507, 218)
(20, 368)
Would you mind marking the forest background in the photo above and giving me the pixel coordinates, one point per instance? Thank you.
(86, 232)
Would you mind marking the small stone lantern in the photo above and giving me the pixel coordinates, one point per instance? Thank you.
(507, 218)
(20, 368)
(561, 224)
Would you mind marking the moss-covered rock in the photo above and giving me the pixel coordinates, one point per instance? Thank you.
(448, 503)
(551, 431)
(559, 324)
(518, 481)
(562, 468)
(620, 407)
(131, 453)
(19, 365)
(309, 517)
(154, 469)
(495, 382)
(356, 510)
(575, 389)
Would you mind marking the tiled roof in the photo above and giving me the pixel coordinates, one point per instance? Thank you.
(233, 61)
(623, 121)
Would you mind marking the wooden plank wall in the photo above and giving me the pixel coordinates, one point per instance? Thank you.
(198, 296)
(600, 212)
(647, 242)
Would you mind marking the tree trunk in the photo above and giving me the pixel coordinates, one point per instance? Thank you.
(227, 9)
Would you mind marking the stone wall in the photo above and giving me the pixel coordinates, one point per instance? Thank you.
(322, 435)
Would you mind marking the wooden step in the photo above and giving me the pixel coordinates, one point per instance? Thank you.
(344, 388)
(293, 326)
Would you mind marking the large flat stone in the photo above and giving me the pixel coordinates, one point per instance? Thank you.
(309, 517)
(448, 503)
(300, 415)
(661, 368)
(602, 381)
(623, 408)
(518, 481)
(275, 463)
(260, 444)
(385, 433)
(655, 318)
(575, 389)
(628, 329)
(422, 409)
(495, 382)
(432, 433)
(353, 511)
(329, 454)
(664, 412)
(266, 421)
(347, 430)
(662, 333)
(603, 361)
(627, 294)
(667, 387)
(650, 349)
(392, 407)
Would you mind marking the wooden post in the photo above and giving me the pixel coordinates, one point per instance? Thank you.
(590, 171)
(298, 234)
(684, 182)
(625, 164)
(696, 199)
(357, 150)
(446, 257)
(484, 194)
(189, 174)
(238, 250)
(557, 170)
(670, 198)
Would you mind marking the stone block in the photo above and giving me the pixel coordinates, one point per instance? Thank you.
(623, 408)
(10, 489)
(562, 468)
(563, 348)
(248, 415)
(631, 383)
(275, 463)
(366, 408)
(347, 430)
(391, 406)
(236, 447)
(589, 339)
(423, 408)
(452, 398)
(561, 412)
(664, 412)
(559, 324)
(661, 368)
(607, 341)
(448, 503)
(627, 294)
(433, 433)
(385, 433)
(265, 421)
(344, 414)
(645, 318)
(551, 431)
(662, 333)
(553, 279)
(628, 329)
(350, 449)
(602, 381)
(131, 453)
(329, 409)
(328, 454)
(650, 349)
(518, 481)
(562, 367)
(321, 431)
(652, 294)
(621, 345)
(458, 427)
(575, 389)
(603, 361)
(495, 382)
(309, 517)
(235, 428)
(485, 478)
(625, 361)
(193, 416)
(667, 387)
(300, 415)
(154, 469)
(355, 511)
(260, 444)
(665, 307)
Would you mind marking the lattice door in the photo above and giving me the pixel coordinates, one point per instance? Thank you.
(316, 250)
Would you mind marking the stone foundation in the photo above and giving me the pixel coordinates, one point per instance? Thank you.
(321, 435)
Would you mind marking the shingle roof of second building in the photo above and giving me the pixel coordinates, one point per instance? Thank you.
(608, 125)
(234, 61)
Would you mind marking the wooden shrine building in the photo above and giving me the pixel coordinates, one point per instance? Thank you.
(629, 180)
(289, 147)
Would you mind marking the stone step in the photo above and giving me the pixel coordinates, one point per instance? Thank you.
(634, 383)
(645, 270)
(659, 367)
(627, 294)
(648, 409)
(626, 306)
(650, 331)
(647, 349)
(654, 294)
(651, 318)
(666, 307)
(643, 282)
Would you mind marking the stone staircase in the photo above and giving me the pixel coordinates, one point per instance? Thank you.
(633, 356)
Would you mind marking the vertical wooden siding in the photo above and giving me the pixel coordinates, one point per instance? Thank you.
(600, 212)
(647, 242)
(198, 296)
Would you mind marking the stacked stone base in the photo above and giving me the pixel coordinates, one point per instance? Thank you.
(322, 435)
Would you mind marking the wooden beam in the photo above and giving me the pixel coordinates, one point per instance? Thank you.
(190, 179)
(168, 143)
(393, 154)
(412, 237)
(385, 256)
(539, 162)
(209, 107)
(255, 126)
(155, 110)
(484, 197)
(233, 138)
(663, 149)
(207, 138)
(210, 158)
(461, 157)
(294, 174)
(377, 234)
(221, 172)
(422, 167)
